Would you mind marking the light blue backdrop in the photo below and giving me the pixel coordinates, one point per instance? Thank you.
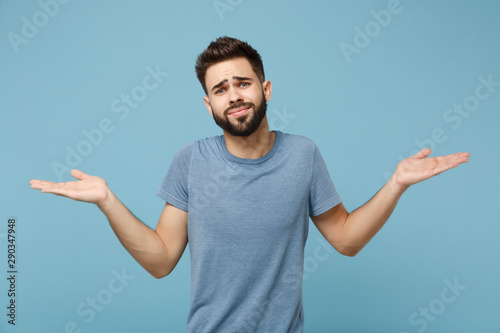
(369, 81)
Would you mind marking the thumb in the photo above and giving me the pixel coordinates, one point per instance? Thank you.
(80, 175)
(423, 153)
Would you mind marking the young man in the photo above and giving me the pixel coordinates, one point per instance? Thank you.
(243, 199)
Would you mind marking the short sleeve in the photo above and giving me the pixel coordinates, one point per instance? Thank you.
(323, 195)
(174, 186)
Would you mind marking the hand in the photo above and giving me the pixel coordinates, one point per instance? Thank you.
(416, 168)
(88, 188)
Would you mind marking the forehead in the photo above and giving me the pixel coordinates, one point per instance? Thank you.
(225, 70)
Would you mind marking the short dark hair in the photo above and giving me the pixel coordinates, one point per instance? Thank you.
(227, 48)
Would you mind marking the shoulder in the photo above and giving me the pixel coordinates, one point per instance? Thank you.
(201, 145)
(297, 142)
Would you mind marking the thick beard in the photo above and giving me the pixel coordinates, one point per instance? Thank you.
(247, 124)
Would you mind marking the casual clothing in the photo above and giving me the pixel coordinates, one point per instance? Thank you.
(248, 222)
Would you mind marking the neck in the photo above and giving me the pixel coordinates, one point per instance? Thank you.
(254, 146)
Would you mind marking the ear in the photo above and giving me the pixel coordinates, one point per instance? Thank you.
(268, 89)
(207, 104)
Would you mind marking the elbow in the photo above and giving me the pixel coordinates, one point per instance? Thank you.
(345, 246)
(159, 273)
(345, 249)
(350, 251)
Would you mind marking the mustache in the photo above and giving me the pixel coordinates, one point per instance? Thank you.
(238, 105)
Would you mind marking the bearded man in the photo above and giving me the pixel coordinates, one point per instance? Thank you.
(243, 199)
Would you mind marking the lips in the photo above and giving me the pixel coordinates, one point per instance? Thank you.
(239, 111)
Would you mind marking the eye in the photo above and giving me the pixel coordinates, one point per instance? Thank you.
(244, 84)
(220, 91)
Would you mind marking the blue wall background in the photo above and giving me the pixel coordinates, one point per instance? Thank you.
(368, 99)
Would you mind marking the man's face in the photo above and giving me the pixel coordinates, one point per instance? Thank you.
(236, 98)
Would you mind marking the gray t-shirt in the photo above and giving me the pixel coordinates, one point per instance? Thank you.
(248, 222)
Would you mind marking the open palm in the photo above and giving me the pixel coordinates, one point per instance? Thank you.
(419, 167)
(88, 188)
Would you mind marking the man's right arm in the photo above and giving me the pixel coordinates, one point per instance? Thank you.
(158, 251)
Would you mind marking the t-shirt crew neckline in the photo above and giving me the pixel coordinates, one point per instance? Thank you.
(225, 152)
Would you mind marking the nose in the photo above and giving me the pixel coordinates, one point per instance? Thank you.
(234, 96)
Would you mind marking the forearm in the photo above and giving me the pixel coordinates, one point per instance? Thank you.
(143, 243)
(363, 223)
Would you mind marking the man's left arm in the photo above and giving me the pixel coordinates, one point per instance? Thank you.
(350, 232)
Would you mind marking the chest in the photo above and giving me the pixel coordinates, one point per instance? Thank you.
(241, 203)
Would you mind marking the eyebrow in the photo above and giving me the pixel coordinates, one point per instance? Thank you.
(237, 78)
